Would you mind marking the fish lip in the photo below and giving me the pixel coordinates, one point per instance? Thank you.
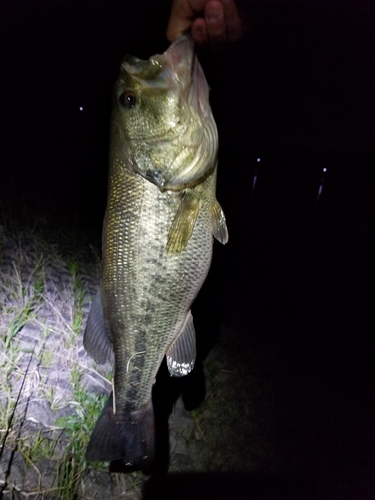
(190, 76)
(174, 65)
(181, 49)
(178, 67)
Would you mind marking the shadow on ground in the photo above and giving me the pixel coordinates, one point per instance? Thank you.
(224, 486)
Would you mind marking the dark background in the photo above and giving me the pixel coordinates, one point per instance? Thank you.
(297, 92)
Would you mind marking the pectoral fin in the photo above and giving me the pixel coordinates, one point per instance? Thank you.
(96, 338)
(219, 225)
(181, 354)
(183, 223)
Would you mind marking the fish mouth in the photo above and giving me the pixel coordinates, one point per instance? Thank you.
(179, 57)
(194, 137)
(202, 137)
(170, 69)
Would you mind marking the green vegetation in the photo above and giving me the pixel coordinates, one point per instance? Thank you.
(79, 295)
(47, 282)
(78, 428)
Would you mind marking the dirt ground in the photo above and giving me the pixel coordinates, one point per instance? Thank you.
(259, 416)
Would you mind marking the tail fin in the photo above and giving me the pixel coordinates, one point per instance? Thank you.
(123, 436)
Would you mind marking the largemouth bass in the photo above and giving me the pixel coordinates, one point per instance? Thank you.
(161, 217)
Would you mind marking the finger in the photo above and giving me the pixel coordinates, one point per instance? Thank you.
(199, 31)
(215, 24)
(180, 19)
(232, 20)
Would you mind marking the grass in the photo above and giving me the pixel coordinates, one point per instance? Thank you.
(78, 428)
(36, 447)
(78, 294)
(47, 283)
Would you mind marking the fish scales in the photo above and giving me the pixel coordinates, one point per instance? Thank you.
(161, 218)
(147, 291)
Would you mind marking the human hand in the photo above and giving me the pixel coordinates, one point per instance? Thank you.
(209, 21)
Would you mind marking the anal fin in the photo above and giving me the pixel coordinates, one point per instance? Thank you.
(182, 352)
(96, 338)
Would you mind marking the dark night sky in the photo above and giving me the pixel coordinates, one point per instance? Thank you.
(298, 91)
(302, 78)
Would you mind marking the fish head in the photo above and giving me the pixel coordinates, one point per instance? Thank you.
(162, 124)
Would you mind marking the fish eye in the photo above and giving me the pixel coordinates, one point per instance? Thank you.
(128, 99)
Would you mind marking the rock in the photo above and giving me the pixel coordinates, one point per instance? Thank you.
(39, 411)
(59, 377)
(15, 461)
(95, 384)
(29, 336)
